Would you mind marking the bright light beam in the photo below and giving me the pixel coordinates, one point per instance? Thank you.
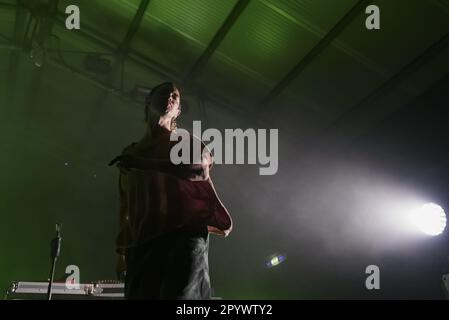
(430, 219)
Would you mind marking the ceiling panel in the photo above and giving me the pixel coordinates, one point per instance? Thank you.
(197, 20)
(69, 48)
(262, 36)
(75, 41)
(268, 39)
(134, 76)
(265, 43)
(407, 29)
(312, 14)
(110, 18)
(175, 33)
(335, 82)
(226, 79)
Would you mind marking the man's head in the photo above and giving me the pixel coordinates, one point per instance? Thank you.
(163, 101)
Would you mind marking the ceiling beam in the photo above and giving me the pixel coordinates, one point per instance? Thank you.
(313, 53)
(122, 51)
(216, 40)
(124, 47)
(133, 28)
(371, 109)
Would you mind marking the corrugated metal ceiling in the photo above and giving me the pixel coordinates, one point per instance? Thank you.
(258, 51)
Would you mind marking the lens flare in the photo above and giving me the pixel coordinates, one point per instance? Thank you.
(275, 260)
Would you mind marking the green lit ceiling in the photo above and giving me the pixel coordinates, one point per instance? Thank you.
(235, 52)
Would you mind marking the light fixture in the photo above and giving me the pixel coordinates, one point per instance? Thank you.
(430, 219)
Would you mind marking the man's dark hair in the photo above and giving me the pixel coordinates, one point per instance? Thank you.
(165, 89)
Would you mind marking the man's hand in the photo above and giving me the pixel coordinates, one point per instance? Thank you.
(125, 161)
(120, 267)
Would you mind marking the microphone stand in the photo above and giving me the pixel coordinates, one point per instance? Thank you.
(55, 250)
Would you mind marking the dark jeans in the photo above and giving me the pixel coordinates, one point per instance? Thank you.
(172, 266)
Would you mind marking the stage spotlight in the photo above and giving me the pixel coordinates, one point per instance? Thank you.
(430, 219)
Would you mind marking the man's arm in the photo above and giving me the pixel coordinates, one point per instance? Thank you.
(193, 172)
(222, 218)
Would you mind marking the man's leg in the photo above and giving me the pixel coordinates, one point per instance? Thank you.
(187, 269)
(145, 270)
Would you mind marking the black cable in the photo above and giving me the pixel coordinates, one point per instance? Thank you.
(55, 251)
